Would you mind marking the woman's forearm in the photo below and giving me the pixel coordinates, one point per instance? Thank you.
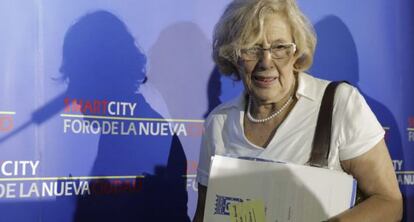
(375, 208)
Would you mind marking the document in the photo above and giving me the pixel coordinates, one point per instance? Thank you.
(288, 192)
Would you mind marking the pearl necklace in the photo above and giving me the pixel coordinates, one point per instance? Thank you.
(251, 118)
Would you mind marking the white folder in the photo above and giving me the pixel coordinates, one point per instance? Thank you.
(290, 192)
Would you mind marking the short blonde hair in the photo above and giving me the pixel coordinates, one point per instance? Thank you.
(241, 25)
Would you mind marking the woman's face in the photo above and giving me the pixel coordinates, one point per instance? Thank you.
(267, 79)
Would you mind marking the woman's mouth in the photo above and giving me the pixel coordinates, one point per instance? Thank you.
(263, 81)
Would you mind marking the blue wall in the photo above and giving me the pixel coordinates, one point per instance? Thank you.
(103, 101)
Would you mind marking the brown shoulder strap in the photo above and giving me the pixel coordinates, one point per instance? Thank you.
(322, 138)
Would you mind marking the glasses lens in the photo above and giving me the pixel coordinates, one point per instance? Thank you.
(282, 51)
(250, 53)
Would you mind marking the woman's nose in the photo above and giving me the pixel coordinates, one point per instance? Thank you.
(266, 60)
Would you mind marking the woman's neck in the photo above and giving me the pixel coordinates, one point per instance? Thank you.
(261, 110)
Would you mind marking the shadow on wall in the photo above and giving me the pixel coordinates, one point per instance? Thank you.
(213, 90)
(221, 89)
(102, 62)
(179, 66)
(336, 58)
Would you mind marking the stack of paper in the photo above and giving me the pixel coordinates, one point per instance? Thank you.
(287, 192)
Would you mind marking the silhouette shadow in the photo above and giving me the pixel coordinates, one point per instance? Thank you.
(179, 68)
(213, 90)
(179, 64)
(336, 58)
(102, 62)
(221, 89)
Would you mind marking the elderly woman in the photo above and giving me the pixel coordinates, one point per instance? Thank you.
(268, 44)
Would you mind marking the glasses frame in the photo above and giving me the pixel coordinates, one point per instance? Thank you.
(259, 54)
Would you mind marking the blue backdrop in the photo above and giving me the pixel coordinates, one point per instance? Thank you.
(102, 102)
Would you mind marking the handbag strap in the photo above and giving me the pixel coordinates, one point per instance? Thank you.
(322, 138)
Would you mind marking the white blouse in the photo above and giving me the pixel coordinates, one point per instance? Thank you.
(355, 129)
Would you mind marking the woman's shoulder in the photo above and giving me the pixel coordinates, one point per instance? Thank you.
(343, 92)
(347, 97)
(346, 92)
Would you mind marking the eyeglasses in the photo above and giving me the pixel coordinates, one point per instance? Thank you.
(278, 51)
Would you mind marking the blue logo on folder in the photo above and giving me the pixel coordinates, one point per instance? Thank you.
(222, 204)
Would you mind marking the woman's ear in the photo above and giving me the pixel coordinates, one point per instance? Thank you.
(298, 58)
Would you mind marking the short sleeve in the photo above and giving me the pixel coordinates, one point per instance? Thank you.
(207, 149)
(359, 129)
(204, 159)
